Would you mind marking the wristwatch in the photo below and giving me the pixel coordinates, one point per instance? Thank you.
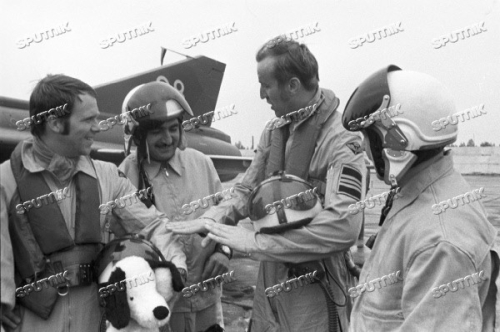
(223, 249)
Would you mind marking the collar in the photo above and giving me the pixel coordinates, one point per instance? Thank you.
(153, 168)
(316, 99)
(84, 163)
(419, 178)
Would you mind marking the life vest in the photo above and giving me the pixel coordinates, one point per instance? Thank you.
(303, 143)
(42, 231)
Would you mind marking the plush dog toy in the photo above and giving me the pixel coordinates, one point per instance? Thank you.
(135, 292)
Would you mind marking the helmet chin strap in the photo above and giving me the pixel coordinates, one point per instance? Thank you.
(397, 163)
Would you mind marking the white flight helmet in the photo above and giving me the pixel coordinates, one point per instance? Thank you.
(282, 202)
(394, 109)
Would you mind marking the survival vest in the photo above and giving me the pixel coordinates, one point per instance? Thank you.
(41, 230)
(303, 142)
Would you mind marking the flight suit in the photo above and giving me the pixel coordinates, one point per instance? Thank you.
(188, 176)
(433, 253)
(333, 231)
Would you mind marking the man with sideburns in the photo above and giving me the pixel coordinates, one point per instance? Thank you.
(64, 236)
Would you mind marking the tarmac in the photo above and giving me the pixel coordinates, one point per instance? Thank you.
(237, 297)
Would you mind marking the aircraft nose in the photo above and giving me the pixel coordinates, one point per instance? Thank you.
(160, 312)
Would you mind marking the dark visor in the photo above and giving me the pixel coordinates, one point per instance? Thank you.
(367, 98)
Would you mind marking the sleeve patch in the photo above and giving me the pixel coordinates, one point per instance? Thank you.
(355, 147)
(350, 182)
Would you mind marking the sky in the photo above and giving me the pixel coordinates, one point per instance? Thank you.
(470, 67)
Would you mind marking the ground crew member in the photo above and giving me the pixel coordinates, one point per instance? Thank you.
(443, 259)
(314, 147)
(178, 175)
(62, 233)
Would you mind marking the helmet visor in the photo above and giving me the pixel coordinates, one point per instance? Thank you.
(367, 98)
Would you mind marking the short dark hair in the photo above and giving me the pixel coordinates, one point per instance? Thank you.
(292, 60)
(53, 91)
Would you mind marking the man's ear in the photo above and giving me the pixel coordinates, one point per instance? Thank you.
(117, 309)
(294, 85)
(55, 124)
(177, 283)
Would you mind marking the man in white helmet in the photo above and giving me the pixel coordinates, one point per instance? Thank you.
(306, 139)
(178, 176)
(433, 265)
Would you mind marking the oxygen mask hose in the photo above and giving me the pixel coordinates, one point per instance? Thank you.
(333, 315)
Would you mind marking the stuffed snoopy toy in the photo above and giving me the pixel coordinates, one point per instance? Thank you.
(135, 292)
(135, 283)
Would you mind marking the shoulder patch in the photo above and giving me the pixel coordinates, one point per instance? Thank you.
(121, 174)
(355, 147)
(350, 182)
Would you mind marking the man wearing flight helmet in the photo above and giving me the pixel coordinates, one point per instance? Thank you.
(444, 259)
(178, 176)
(312, 147)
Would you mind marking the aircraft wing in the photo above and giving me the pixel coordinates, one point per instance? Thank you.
(228, 165)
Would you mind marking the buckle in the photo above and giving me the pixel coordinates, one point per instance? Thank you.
(85, 276)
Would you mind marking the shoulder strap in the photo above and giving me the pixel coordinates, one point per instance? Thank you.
(303, 143)
(44, 215)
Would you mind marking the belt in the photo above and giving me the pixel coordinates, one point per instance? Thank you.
(76, 264)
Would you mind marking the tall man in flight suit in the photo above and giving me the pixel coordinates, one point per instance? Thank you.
(178, 175)
(43, 236)
(433, 266)
(316, 148)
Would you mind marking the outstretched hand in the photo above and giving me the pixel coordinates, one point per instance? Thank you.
(188, 227)
(235, 237)
(191, 227)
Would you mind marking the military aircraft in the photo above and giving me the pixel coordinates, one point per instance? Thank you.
(198, 79)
